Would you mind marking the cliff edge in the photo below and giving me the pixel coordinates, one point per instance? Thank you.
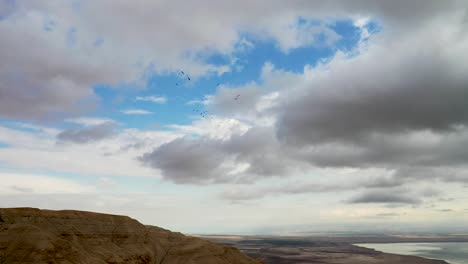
(29, 235)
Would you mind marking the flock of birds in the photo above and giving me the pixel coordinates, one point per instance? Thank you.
(203, 113)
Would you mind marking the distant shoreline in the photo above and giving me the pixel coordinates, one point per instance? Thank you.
(385, 239)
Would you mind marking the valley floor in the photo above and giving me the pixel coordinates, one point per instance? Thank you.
(273, 250)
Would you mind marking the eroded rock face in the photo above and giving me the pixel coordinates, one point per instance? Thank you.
(29, 235)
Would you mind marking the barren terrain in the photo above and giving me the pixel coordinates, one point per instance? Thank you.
(336, 250)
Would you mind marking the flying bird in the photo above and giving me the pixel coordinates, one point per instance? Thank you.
(237, 97)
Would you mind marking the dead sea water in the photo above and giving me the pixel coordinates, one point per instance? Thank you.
(453, 253)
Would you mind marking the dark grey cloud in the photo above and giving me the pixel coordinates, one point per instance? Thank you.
(202, 160)
(249, 193)
(260, 149)
(382, 92)
(397, 150)
(382, 182)
(87, 134)
(267, 156)
(186, 160)
(384, 197)
(42, 99)
(407, 175)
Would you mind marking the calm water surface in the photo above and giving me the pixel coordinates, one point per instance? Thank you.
(453, 253)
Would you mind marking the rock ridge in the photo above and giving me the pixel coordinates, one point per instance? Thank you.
(31, 235)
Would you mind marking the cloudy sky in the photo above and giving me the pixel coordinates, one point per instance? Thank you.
(247, 117)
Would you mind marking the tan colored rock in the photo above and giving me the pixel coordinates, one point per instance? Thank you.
(29, 235)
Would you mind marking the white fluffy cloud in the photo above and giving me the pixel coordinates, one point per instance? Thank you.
(136, 112)
(153, 98)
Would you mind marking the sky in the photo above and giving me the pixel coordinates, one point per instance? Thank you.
(246, 117)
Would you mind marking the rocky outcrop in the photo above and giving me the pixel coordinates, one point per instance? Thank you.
(29, 235)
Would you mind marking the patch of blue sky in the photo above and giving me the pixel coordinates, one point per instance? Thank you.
(349, 33)
(302, 21)
(297, 58)
(49, 25)
(76, 5)
(25, 126)
(247, 67)
(72, 37)
(4, 145)
(374, 27)
(56, 174)
(98, 42)
(8, 8)
(114, 101)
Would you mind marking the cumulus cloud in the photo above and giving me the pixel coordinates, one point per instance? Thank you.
(213, 127)
(239, 158)
(403, 110)
(354, 98)
(187, 161)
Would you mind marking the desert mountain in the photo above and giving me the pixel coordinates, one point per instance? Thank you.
(29, 235)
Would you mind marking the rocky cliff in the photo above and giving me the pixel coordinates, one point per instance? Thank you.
(29, 235)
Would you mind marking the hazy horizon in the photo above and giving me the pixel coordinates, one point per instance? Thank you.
(263, 117)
